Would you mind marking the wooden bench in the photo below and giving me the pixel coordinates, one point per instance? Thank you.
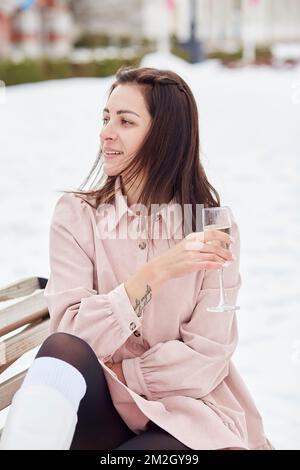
(24, 324)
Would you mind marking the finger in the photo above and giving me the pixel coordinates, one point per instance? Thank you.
(205, 248)
(210, 235)
(195, 236)
(194, 245)
(217, 250)
(209, 257)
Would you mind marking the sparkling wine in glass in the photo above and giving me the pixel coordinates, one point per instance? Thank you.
(218, 218)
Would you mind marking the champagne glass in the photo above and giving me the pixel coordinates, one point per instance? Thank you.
(218, 218)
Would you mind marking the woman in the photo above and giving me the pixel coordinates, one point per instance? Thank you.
(134, 360)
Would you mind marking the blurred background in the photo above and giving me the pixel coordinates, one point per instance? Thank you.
(241, 59)
(42, 39)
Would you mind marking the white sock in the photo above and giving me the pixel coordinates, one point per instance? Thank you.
(59, 375)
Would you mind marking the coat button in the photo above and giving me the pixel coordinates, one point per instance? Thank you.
(137, 333)
(159, 217)
(132, 326)
(142, 245)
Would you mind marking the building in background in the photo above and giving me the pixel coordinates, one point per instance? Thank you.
(32, 28)
(112, 17)
(50, 27)
(227, 24)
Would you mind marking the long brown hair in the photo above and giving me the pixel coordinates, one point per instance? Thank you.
(170, 152)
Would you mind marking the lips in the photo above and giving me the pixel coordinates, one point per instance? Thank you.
(112, 156)
(110, 153)
(109, 149)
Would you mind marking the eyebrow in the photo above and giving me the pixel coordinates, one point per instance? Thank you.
(122, 111)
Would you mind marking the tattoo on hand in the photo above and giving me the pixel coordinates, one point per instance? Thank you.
(140, 304)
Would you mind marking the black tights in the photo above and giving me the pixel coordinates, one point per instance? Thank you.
(99, 425)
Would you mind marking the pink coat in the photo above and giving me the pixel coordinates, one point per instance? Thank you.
(176, 357)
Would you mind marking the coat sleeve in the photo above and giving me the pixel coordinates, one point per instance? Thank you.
(197, 363)
(104, 321)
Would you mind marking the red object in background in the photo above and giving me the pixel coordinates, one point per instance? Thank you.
(48, 3)
(5, 33)
(5, 23)
(170, 4)
(254, 2)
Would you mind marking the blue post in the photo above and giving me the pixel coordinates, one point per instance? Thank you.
(26, 4)
(194, 45)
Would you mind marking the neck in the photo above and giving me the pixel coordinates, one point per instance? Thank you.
(132, 191)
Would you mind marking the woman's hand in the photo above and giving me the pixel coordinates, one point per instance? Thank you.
(198, 250)
(117, 369)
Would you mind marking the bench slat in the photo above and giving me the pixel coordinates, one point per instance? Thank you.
(22, 287)
(9, 388)
(15, 346)
(26, 311)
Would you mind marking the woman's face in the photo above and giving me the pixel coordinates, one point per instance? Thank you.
(126, 122)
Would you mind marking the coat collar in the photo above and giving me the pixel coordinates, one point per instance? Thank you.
(165, 212)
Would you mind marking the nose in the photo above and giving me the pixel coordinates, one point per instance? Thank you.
(108, 132)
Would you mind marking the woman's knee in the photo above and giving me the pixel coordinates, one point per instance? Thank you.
(61, 342)
(69, 348)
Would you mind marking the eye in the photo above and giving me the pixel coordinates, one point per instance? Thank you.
(124, 121)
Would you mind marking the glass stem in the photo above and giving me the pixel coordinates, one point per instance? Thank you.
(222, 293)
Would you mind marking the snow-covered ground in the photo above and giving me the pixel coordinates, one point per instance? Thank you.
(250, 138)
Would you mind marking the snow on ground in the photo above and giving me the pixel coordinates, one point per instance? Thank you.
(250, 140)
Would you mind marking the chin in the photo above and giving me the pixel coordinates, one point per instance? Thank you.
(111, 171)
